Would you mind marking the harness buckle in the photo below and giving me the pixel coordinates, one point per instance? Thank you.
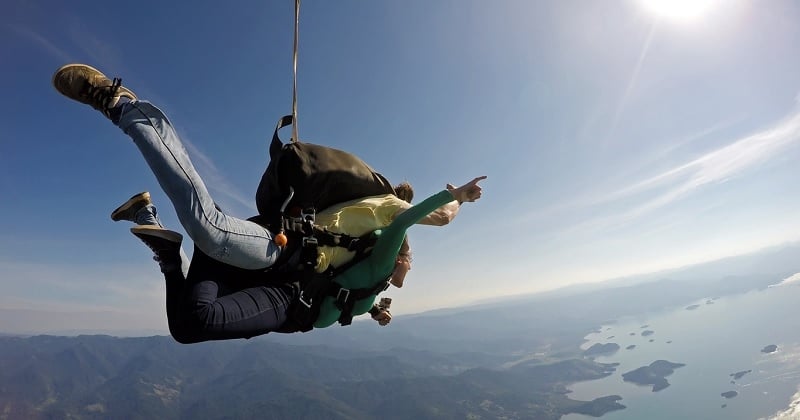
(339, 297)
(308, 214)
(302, 300)
(310, 241)
(353, 244)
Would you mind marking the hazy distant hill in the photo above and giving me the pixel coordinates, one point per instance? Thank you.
(550, 326)
(90, 377)
(508, 359)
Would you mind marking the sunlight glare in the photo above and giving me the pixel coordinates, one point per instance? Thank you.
(678, 9)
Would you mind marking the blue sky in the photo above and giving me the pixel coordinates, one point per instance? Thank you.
(617, 139)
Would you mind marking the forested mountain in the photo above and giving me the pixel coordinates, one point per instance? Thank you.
(88, 377)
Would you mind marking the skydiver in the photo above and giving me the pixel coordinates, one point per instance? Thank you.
(216, 301)
(234, 241)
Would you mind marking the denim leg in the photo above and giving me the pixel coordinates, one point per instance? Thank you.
(227, 239)
(175, 284)
(147, 215)
(244, 313)
(209, 304)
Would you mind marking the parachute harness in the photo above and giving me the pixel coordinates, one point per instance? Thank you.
(314, 287)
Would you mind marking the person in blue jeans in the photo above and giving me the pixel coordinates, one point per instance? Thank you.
(208, 308)
(237, 242)
(216, 301)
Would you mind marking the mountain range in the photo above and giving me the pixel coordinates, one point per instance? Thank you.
(510, 359)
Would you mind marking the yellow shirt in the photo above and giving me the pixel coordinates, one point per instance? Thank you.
(355, 218)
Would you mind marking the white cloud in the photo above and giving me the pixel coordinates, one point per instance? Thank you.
(64, 287)
(217, 183)
(723, 163)
(715, 167)
(789, 280)
(790, 413)
(43, 298)
(40, 40)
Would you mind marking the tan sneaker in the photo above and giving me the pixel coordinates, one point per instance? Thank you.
(128, 209)
(89, 86)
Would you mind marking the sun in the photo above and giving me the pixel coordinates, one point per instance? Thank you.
(678, 9)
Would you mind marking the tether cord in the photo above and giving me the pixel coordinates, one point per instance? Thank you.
(295, 136)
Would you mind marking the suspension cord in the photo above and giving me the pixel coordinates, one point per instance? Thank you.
(295, 136)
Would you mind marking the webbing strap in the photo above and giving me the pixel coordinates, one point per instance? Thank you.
(346, 301)
(294, 65)
(276, 145)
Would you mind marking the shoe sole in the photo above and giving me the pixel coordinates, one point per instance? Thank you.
(158, 232)
(116, 215)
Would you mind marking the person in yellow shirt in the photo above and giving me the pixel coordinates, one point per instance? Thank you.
(361, 216)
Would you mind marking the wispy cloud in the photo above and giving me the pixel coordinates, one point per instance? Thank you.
(597, 197)
(792, 412)
(714, 167)
(38, 39)
(63, 287)
(720, 164)
(217, 183)
(105, 56)
(611, 209)
(793, 279)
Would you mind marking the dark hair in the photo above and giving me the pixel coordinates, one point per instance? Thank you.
(404, 191)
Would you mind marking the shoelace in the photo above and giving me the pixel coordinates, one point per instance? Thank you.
(102, 95)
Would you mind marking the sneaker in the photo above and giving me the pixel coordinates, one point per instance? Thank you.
(166, 245)
(127, 211)
(89, 86)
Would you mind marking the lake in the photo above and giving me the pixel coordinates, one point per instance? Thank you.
(714, 339)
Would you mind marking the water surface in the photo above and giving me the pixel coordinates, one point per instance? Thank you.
(716, 338)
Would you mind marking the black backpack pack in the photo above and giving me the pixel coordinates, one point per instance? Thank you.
(319, 176)
(301, 179)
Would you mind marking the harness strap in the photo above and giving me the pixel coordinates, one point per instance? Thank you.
(347, 298)
(315, 287)
(276, 144)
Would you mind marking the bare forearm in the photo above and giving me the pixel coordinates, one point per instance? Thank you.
(441, 216)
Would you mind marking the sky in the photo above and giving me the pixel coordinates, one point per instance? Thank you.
(619, 137)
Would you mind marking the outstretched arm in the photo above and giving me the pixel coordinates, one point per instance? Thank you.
(446, 213)
(382, 259)
(441, 216)
(391, 237)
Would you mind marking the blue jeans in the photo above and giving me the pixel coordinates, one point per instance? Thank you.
(233, 241)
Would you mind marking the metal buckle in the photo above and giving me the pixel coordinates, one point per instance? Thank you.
(339, 294)
(303, 301)
(308, 215)
(354, 244)
(310, 240)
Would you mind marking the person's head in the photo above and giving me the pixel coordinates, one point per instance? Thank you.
(402, 265)
(404, 191)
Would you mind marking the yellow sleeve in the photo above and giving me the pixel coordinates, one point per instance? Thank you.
(386, 211)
